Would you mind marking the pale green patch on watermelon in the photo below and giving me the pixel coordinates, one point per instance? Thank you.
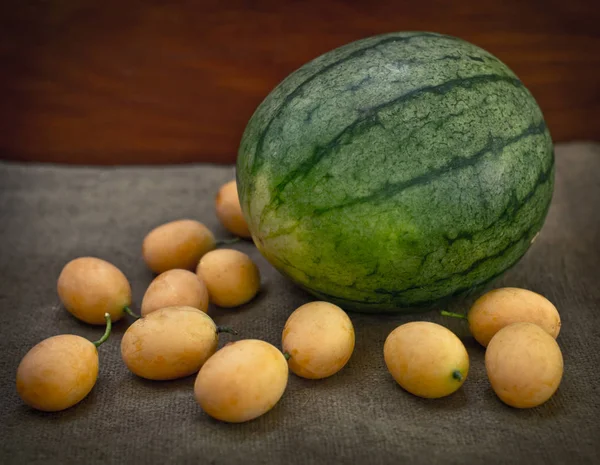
(396, 171)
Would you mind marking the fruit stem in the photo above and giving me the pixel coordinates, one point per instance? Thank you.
(131, 313)
(454, 315)
(221, 242)
(287, 355)
(226, 329)
(104, 337)
(457, 375)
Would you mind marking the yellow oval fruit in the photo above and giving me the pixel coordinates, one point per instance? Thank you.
(89, 287)
(501, 307)
(177, 244)
(58, 373)
(242, 381)
(229, 211)
(426, 359)
(524, 365)
(231, 277)
(175, 288)
(319, 339)
(169, 343)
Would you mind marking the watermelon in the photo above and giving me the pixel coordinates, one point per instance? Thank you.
(396, 171)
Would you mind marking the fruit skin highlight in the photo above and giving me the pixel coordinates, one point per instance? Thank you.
(319, 340)
(177, 244)
(231, 277)
(89, 287)
(242, 381)
(60, 371)
(175, 288)
(169, 343)
(501, 307)
(426, 359)
(524, 365)
(396, 172)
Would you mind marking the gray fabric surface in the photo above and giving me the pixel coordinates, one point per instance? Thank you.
(50, 215)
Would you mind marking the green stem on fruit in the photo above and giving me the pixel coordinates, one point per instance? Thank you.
(287, 355)
(457, 375)
(221, 242)
(131, 313)
(226, 329)
(106, 334)
(454, 315)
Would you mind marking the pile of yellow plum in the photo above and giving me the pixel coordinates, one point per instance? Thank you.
(518, 328)
(175, 337)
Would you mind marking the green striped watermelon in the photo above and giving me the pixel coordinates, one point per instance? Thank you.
(396, 171)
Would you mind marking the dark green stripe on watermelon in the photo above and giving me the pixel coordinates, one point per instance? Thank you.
(396, 171)
(321, 70)
(494, 145)
(369, 118)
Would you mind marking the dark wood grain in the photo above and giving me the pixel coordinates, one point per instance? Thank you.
(85, 81)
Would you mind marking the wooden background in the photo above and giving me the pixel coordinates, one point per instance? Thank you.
(103, 82)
